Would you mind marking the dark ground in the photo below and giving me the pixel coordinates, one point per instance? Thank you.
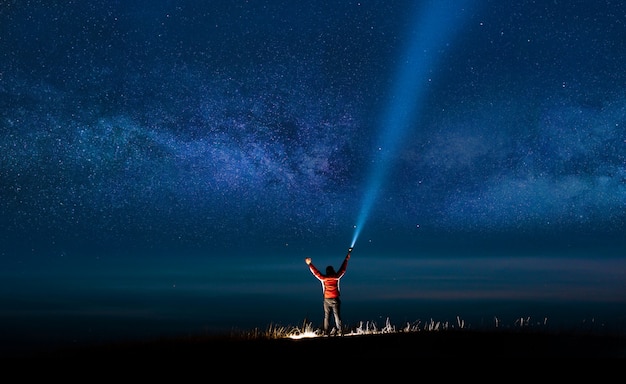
(392, 346)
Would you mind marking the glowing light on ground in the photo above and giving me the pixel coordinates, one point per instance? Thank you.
(304, 335)
(371, 328)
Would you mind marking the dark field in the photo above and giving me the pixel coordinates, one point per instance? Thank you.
(391, 346)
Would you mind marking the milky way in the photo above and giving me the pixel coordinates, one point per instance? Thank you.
(166, 166)
(204, 125)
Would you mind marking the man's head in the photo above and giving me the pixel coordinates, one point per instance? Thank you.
(330, 270)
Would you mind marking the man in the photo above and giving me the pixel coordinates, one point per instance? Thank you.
(330, 289)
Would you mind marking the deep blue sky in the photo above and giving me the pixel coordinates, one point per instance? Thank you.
(170, 164)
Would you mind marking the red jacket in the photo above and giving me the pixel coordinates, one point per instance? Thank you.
(330, 283)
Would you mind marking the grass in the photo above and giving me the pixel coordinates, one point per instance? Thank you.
(307, 330)
(419, 339)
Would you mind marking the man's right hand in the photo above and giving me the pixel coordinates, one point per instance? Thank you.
(307, 260)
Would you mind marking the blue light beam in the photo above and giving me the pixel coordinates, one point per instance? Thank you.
(435, 25)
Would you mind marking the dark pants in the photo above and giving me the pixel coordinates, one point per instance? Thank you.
(332, 306)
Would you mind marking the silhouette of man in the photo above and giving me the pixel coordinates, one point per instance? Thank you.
(330, 289)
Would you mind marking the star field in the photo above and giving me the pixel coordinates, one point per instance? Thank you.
(141, 133)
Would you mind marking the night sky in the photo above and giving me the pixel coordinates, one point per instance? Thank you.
(166, 166)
